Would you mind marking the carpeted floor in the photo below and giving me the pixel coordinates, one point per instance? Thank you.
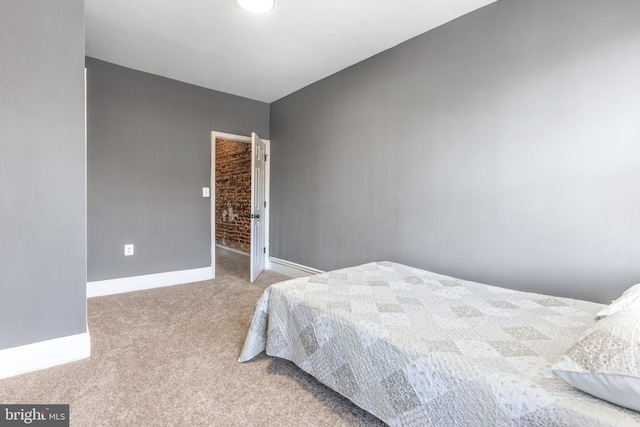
(167, 357)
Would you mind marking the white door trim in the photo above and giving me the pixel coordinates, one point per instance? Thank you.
(267, 186)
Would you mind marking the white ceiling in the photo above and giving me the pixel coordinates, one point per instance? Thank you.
(217, 45)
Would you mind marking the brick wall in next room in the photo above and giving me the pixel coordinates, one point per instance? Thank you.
(233, 194)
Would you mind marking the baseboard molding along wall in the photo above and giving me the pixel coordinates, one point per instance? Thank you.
(235, 251)
(148, 281)
(291, 268)
(44, 354)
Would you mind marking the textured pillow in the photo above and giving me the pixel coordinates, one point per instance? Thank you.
(605, 361)
(629, 300)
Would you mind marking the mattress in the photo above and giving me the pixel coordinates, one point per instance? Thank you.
(416, 348)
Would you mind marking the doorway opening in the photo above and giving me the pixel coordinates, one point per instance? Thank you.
(239, 195)
(233, 195)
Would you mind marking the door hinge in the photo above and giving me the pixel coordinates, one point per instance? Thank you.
(264, 250)
(265, 204)
(265, 157)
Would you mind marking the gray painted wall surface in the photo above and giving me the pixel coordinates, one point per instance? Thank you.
(502, 147)
(148, 157)
(42, 171)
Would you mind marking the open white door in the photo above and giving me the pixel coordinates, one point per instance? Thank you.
(258, 159)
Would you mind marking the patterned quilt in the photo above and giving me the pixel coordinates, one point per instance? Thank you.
(417, 348)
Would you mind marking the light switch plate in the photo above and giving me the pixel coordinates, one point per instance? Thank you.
(128, 250)
(205, 192)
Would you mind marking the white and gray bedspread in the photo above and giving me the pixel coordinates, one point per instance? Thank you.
(416, 348)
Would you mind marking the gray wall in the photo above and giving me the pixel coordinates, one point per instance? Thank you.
(148, 157)
(42, 171)
(502, 147)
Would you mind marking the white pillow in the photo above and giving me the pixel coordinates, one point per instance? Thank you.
(629, 300)
(605, 361)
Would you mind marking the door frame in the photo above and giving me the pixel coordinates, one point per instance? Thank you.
(267, 190)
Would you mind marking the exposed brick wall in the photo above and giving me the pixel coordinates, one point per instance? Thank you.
(233, 194)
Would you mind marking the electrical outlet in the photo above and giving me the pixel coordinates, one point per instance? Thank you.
(128, 250)
(205, 191)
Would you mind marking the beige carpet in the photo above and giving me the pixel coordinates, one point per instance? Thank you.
(168, 356)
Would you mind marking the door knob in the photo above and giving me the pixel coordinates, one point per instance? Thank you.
(257, 216)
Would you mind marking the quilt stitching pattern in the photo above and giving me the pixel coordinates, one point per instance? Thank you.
(418, 348)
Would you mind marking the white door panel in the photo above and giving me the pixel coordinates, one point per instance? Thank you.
(258, 160)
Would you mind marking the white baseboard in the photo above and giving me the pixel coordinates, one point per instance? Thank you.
(224, 248)
(44, 354)
(291, 268)
(138, 283)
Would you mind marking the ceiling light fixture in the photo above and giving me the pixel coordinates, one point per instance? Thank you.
(257, 6)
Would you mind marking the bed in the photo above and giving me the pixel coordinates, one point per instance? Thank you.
(416, 348)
